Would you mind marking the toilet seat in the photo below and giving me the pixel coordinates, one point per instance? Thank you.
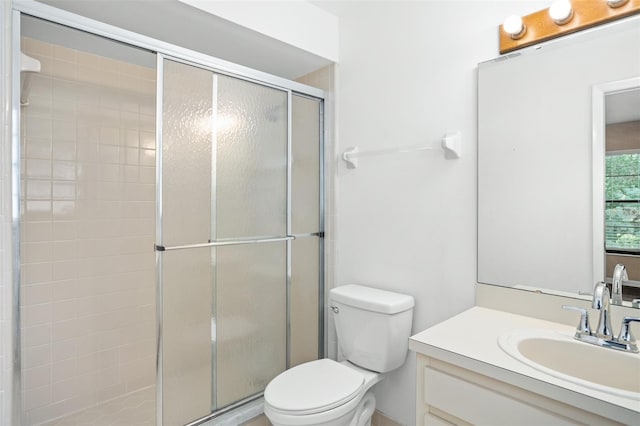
(314, 387)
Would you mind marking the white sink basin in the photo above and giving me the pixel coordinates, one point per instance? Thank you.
(607, 370)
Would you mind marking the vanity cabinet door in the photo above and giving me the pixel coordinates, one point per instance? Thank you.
(447, 394)
(475, 404)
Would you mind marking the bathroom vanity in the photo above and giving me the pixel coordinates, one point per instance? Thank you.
(465, 377)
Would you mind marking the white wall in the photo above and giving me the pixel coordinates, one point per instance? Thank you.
(407, 222)
(273, 19)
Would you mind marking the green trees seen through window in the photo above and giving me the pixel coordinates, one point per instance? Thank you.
(622, 202)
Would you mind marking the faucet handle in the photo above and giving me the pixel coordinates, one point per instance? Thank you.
(625, 331)
(583, 326)
(625, 337)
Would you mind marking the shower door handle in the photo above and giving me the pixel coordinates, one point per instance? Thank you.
(159, 247)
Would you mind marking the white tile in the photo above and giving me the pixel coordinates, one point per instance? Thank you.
(63, 69)
(64, 150)
(38, 168)
(63, 53)
(37, 397)
(64, 190)
(41, 414)
(63, 290)
(63, 89)
(64, 310)
(88, 59)
(62, 210)
(36, 377)
(68, 329)
(37, 272)
(65, 270)
(64, 130)
(36, 294)
(109, 154)
(37, 252)
(64, 170)
(111, 172)
(41, 95)
(109, 136)
(147, 140)
(38, 231)
(36, 356)
(147, 157)
(129, 120)
(89, 96)
(37, 47)
(39, 314)
(132, 156)
(37, 335)
(38, 149)
(64, 369)
(67, 388)
(85, 154)
(130, 137)
(38, 189)
(147, 123)
(109, 117)
(64, 108)
(131, 173)
(63, 230)
(110, 98)
(64, 350)
(40, 105)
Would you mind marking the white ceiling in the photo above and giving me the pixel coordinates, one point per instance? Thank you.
(177, 23)
(622, 106)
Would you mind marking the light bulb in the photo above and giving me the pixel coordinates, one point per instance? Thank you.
(561, 12)
(616, 3)
(514, 27)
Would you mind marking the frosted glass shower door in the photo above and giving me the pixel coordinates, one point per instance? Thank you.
(222, 239)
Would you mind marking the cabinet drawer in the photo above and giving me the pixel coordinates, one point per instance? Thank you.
(480, 405)
(431, 420)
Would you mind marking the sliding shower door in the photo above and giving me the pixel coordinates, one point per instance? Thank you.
(222, 240)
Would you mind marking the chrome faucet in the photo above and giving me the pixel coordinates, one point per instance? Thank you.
(601, 303)
(619, 277)
(603, 336)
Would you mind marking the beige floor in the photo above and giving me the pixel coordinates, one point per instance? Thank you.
(137, 409)
(258, 421)
(377, 419)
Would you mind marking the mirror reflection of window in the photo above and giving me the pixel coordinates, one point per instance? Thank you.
(622, 182)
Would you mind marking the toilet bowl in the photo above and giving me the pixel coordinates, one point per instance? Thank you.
(373, 328)
(322, 392)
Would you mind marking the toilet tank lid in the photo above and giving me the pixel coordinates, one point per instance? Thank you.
(371, 299)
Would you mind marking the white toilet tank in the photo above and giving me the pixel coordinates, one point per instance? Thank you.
(373, 326)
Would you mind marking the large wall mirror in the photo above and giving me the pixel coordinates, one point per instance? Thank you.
(616, 183)
(538, 227)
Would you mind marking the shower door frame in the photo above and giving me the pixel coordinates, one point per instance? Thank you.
(163, 50)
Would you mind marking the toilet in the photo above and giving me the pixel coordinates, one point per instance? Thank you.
(373, 328)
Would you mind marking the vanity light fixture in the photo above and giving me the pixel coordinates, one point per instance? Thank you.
(561, 12)
(514, 27)
(562, 18)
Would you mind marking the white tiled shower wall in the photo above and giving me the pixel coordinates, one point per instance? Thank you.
(324, 78)
(88, 265)
(5, 216)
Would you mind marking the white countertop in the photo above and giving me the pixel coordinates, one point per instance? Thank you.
(470, 340)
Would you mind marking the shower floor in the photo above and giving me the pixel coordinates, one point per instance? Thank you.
(135, 409)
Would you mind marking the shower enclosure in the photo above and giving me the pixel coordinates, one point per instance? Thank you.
(170, 228)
